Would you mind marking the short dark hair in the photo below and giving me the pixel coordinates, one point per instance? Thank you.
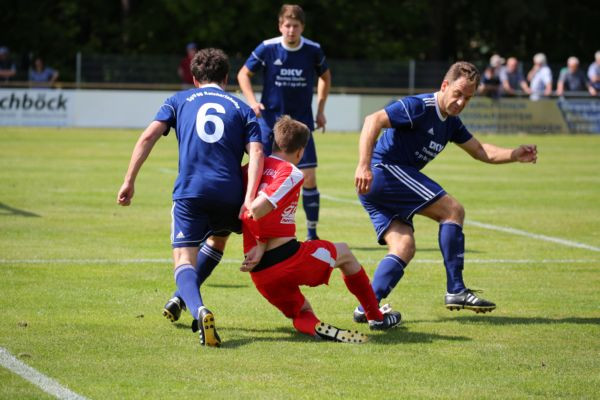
(210, 65)
(292, 11)
(290, 135)
(462, 69)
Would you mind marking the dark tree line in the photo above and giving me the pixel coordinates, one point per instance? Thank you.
(435, 30)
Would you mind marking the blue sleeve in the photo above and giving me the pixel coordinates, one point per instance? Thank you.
(257, 58)
(252, 128)
(461, 134)
(168, 113)
(320, 62)
(405, 112)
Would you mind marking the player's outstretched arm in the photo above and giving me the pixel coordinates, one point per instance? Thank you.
(244, 78)
(492, 154)
(370, 131)
(255, 169)
(142, 149)
(323, 86)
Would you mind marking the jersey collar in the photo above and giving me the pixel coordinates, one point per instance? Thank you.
(290, 48)
(437, 108)
(210, 85)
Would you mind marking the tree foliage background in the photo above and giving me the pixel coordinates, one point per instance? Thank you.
(435, 30)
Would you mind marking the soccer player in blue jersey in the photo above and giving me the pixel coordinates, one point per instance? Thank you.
(213, 129)
(392, 189)
(290, 65)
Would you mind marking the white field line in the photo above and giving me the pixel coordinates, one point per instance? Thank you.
(167, 261)
(513, 231)
(40, 380)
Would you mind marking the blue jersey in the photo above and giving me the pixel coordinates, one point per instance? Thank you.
(213, 129)
(419, 132)
(289, 77)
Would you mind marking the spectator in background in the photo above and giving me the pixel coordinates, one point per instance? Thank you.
(7, 68)
(184, 70)
(593, 73)
(540, 78)
(573, 79)
(512, 78)
(490, 81)
(41, 75)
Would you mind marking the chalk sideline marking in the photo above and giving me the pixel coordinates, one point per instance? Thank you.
(564, 242)
(40, 380)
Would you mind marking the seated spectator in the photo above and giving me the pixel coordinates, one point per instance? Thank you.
(7, 67)
(184, 71)
(593, 73)
(573, 79)
(512, 78)
(490, 80)
(540, 78)
(41, 75)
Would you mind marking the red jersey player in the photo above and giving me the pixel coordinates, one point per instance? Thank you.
(279, 264)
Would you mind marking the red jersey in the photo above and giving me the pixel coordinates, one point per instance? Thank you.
(280, 183)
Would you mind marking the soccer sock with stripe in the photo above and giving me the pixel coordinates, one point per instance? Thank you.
(358, 284)
(387, 275)
(311, 202)
(185, 279)
(452, 245)
(208, 259)
(306, 322)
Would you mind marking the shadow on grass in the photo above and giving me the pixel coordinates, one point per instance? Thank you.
(8, 210)
(490, 320)
(419, 250)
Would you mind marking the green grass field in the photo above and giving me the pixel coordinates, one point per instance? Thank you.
(83, 282)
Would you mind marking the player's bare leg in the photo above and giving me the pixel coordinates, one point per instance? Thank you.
(450, 214)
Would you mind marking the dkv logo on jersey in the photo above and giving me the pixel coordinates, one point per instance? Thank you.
(288, 216)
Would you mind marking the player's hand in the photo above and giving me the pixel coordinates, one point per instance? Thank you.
(526, 153)
(257, 108)
(321, 121)
(125, 194)
(362, 179)
(252, 258)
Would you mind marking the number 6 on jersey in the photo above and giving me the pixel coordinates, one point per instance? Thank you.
(202, 118)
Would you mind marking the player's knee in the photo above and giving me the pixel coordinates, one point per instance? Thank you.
(404, 248)
(217, 242)
(457, 211)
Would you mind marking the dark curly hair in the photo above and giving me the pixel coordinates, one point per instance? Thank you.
(210, 65)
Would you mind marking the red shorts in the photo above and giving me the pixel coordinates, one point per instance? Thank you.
(311, 265)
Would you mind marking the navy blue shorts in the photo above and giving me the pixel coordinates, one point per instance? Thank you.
(397, 192)
(194, 220)
(309, 159)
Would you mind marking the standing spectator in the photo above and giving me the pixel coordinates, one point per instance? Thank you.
(7, 67)
(291, 64)
(540, 78)
(573, 79)
(593, 72)
(41, 75)
(490, 81)
(184, 71)
(213, 129)
(392, 189)
(512, 78)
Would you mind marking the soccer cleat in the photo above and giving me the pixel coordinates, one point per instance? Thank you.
(172, 310)
(206, 326)
(390, 320)
(330, 332)
(467, 299)
(361, 318)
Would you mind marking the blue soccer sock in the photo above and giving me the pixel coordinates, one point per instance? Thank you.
(208, 259)
(185, 279)
(311, 202)
(452, 245)
(387, 275)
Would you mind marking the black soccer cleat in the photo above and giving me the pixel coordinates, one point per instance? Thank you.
(205, 325)
(390, 320)
(468, 300)
(330, 332)
(361, 318)
(172, 310)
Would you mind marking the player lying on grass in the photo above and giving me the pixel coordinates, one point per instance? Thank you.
(279, 264)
